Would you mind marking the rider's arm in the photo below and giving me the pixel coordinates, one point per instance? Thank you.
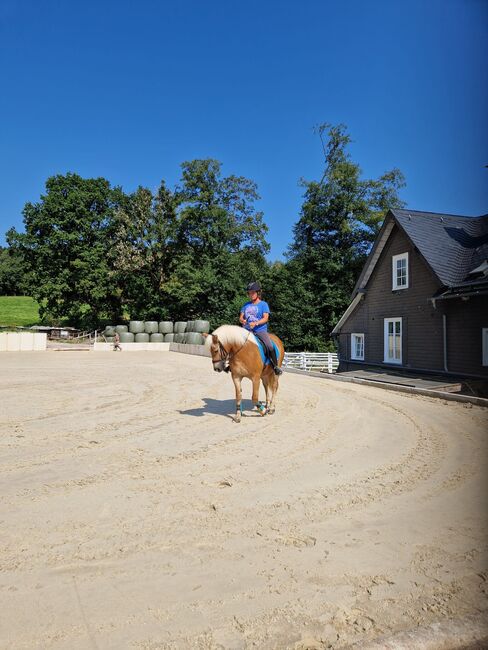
(242, 318)
(261, 321)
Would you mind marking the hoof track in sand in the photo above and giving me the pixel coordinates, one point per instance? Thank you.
(135, 514)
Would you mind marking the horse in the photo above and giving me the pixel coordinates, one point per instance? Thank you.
(236, 349)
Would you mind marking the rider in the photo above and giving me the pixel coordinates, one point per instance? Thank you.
(254, 317)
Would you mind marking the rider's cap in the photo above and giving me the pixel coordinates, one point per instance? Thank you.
(254, 286)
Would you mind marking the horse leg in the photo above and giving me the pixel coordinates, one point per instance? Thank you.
(255, 395)
(237, 383)
(275, 381)
(265, 381)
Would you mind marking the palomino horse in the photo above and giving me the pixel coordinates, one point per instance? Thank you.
(236, 347)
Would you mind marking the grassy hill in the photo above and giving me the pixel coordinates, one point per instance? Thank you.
(18, 311)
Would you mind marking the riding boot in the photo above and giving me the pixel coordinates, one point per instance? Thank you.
(274, 361)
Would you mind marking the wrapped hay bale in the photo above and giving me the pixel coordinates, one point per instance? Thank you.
(136, 326)
(202, 326)
(166, 327)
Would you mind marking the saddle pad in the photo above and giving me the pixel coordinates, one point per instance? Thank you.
(262, 352)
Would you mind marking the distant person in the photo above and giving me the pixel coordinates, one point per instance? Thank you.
(254, 317)
(117, 342)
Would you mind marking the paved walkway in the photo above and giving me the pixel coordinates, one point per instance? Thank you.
(415, 380)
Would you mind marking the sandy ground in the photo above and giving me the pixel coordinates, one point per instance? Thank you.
(135, 514)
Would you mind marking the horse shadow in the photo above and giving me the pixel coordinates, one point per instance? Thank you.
(225, 407)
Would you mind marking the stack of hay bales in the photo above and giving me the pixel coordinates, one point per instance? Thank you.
(190, 332)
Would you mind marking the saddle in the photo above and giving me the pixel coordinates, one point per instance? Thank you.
(263, 352)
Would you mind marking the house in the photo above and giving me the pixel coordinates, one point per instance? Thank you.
(421, 301)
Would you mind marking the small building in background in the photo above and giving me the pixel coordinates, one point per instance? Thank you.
(421, 301)
(56, 332)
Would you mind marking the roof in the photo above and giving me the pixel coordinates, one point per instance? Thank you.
(451, 245)
(455, 248)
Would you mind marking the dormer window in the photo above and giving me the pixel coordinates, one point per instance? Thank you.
(400, 271)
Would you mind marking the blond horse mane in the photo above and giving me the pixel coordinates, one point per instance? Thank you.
(231, 335)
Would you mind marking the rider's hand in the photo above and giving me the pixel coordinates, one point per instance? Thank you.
(252, 325)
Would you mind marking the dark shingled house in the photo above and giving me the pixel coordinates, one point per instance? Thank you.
(421, 301)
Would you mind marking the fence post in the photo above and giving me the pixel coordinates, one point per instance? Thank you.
(329, 363)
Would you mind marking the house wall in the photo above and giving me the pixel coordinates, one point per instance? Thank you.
(464, 323)
(422, 342)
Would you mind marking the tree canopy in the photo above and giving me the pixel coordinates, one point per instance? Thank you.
(340, 217)
(91, 252)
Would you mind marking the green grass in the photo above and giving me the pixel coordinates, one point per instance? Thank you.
(18, 311)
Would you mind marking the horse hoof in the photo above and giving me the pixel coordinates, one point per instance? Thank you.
(237, 419)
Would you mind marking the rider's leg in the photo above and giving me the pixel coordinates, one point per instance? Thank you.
(270, 349)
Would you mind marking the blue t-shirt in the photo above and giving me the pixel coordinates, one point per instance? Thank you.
(255, 312)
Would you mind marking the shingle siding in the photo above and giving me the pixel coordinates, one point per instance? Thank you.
(464, 347)
(422, 326)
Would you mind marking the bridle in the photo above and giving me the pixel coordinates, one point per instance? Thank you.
(225, 355)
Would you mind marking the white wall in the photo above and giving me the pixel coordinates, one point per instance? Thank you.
(22, 341)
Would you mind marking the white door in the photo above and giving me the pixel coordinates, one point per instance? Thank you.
(393, 340)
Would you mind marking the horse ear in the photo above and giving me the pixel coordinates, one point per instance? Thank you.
(215, 338)
(204, 334)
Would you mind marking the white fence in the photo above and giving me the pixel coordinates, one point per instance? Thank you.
(22, 341)
(320, 361)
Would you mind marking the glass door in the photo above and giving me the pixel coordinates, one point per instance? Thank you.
(393, 340)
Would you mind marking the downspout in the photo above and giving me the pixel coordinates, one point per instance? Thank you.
(444, 340)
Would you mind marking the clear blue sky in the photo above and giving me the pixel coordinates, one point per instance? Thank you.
(129, 90)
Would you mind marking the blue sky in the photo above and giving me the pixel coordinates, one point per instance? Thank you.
(129, 90)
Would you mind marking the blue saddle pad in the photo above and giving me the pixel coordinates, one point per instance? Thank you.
(262, 352)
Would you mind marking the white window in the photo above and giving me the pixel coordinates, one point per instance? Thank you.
(357, 346)
(484, 340)
(400, 271)
(393, 340)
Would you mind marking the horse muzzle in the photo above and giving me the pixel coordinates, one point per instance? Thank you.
(218, 366)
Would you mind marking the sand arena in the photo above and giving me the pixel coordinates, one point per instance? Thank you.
(135, 514)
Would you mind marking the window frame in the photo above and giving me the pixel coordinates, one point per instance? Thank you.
(394, 260)
(360, 335)
(386, 321)
(484, 346)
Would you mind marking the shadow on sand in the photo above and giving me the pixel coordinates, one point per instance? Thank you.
(225, 407)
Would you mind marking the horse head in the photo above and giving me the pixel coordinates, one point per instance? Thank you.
(217, 351)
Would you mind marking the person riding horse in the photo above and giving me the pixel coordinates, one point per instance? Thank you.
(254, 317)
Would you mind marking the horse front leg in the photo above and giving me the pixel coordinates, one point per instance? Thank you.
(267, 391)
(255, 395)
(237, 385)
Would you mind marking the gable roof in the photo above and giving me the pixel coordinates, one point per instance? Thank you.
(453, 246)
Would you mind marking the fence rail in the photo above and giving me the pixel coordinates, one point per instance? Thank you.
(321, 361)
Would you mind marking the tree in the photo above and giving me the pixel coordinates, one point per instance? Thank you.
(144, 251)
(219, 243)
(340, 217)
(68, 236)
(13, 273)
